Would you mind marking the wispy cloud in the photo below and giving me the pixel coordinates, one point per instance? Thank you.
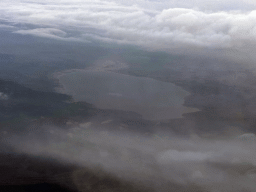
(48, 33)
(156, 161)
(132, 23)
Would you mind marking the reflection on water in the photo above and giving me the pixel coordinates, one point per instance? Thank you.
(153, 99)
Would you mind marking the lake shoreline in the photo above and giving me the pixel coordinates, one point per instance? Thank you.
(115, 96)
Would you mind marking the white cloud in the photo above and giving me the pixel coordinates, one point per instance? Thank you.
(179, 156)
(134, 22)
(48, 32)
(3, 26)
(156, 160)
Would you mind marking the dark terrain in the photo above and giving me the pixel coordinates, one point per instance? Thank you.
(24, 107)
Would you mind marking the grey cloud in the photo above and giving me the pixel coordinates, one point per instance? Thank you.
(48, 33)
(224, 165)
(4, 26)
(134, 24)
(216, 5)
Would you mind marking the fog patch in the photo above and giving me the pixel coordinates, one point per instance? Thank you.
(174, 155)
(156, 161)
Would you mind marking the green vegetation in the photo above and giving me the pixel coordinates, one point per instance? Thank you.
(25, 105)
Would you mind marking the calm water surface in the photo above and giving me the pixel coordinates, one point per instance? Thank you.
(154, 100)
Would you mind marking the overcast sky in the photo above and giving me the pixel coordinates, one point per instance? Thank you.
(153, 24)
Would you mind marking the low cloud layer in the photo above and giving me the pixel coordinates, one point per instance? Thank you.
(161, 162)
(154, 25)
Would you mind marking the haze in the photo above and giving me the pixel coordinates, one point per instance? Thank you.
(160, 95)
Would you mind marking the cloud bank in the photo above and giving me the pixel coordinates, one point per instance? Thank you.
(162, 162)
(151, 24)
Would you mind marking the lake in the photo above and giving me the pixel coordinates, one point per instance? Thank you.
(154, 100)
